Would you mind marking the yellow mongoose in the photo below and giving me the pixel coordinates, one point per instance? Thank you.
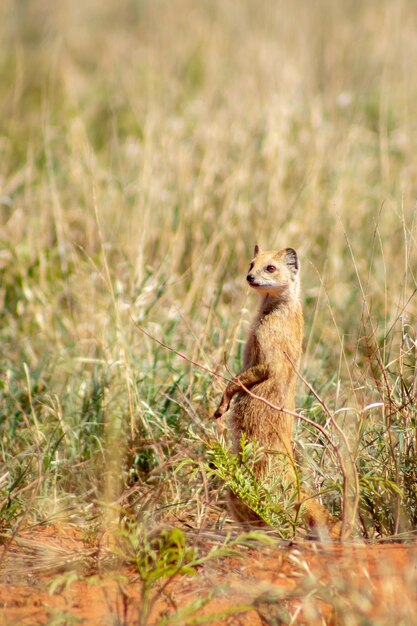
(272, 350)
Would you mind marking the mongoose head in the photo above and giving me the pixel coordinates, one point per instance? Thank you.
(275, 273)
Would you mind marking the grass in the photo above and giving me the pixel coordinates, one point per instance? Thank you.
(145, 147)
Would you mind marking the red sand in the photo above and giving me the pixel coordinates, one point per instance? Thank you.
(377, 582)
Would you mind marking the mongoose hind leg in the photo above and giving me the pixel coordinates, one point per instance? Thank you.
(242, 513)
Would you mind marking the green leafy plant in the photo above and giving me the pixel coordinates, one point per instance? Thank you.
(160, 557)
(273, 498)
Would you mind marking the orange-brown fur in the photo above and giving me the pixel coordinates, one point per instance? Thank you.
(272, 352)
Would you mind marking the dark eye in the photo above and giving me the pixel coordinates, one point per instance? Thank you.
(270, 268)
(251, 266)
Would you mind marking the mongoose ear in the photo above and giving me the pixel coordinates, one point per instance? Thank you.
(291, 259)
(256, 250)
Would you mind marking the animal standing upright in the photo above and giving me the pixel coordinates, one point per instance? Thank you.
(271, 356)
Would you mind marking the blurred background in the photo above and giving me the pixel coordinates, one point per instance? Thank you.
(145, 147)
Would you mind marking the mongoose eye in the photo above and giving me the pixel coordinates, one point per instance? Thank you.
(270, 268)
(251, 266)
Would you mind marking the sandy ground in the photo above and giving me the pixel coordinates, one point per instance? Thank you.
(50, 575)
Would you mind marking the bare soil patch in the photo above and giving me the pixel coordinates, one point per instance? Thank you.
(52, 575)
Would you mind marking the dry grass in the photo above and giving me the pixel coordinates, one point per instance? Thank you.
(145, 146)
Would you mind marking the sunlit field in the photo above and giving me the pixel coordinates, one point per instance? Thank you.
(145, 147)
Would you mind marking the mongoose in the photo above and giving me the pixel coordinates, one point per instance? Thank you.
(272, 352)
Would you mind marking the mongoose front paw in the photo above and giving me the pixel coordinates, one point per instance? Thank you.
(220, 411)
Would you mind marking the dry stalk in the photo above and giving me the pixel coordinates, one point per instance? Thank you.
(346, 523)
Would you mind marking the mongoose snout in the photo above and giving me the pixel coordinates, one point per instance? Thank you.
(250, 278)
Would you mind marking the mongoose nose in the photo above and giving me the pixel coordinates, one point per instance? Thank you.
(250, 278)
